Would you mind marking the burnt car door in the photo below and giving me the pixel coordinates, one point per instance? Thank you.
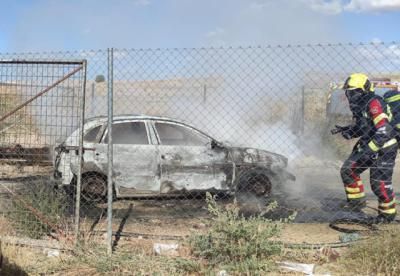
(187, 160)
(135, 165)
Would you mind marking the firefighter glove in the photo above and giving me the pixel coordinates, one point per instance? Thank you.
(347, 134)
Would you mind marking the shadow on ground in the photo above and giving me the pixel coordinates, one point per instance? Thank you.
(9, 269)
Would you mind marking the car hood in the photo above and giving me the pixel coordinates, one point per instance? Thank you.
(245, 155)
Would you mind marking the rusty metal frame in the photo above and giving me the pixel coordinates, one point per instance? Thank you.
(81, 63)
(82, 66)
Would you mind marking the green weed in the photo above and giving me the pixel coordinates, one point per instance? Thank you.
(236, 243)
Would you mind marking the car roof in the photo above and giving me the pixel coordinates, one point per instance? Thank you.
(130, 117)
(121, 117)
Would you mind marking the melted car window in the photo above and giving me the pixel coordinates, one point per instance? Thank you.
(171, 134)
(91, 135)
(129, 133)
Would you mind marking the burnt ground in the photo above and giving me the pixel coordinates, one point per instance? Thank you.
(316, 199)
(316, 196)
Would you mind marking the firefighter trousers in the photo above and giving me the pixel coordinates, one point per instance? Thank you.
(381, 171)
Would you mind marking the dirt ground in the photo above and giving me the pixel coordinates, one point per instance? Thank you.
(139, 248)
(315, 197)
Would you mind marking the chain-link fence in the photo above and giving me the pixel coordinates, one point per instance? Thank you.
(41, 105)
(246, 124)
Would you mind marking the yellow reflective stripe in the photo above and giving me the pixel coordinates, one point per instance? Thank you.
(354, 196)
(352, 190)
(373, 146)
(389, 143)
(398, 126)
(387, 204)
(389, 112)
(392, 99)
(380, 117)
(359, 183)
(388, 211)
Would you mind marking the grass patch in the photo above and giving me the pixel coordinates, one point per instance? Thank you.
(91, 258)
(376, 256)
(127, 260)
(233, 243)
(21, 260)
(49, 202)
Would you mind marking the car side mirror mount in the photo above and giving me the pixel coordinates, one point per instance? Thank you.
(216, 145)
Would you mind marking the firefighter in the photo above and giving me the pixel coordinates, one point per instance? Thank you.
(376, 148)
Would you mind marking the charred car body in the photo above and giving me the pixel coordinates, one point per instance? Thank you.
(156, 156)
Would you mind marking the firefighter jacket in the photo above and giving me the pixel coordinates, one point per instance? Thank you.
(392, 99)
(371, 122)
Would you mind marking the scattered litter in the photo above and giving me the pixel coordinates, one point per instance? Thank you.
(52, 252)
(222, 273)
(349, 237)
(307, 269)
(168, 205)
(199, 225)
(329, 253)
(166, 249)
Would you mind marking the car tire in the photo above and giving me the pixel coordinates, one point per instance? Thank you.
(252, 193)
(94, 188)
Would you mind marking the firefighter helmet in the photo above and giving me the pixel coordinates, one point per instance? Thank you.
(358, 81)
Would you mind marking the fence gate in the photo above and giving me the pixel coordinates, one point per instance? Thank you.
(41, 105)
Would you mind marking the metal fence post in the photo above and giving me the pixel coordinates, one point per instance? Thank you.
(80, 156)
(92, 99)
(110, 150)
(302, 109)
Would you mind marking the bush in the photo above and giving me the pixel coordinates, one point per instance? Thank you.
(237, 243)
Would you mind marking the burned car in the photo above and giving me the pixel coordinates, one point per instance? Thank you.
(157, 156)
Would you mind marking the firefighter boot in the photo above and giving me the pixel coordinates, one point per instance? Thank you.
(386, 211)
(384, 218)
(354, 205)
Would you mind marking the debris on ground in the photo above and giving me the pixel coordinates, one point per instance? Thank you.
(329, 253)
(166, 249)
(307, 269)
(51, 252)
(223, 273)
(349, 237)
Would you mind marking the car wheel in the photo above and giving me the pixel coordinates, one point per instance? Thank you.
(253, 190)
(94, 188)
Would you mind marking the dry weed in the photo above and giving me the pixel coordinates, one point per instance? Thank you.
(376, 256)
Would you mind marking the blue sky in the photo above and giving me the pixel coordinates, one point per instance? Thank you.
(59, 25)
